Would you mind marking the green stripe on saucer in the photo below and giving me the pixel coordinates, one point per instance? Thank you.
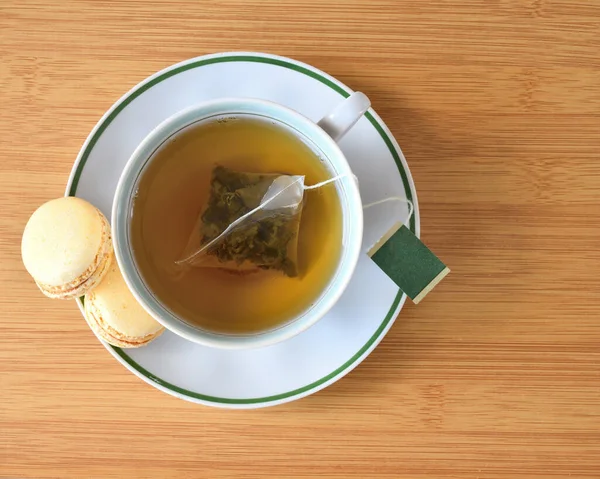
(408, 262)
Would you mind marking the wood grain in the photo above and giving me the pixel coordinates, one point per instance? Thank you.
(496, 375)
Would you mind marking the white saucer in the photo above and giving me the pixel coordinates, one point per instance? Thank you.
(341, 340)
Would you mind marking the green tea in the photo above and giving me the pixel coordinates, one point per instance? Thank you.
(174, 189)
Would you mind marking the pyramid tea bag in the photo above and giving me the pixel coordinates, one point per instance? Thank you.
(250, 222)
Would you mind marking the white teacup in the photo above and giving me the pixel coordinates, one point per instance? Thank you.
(322, 137)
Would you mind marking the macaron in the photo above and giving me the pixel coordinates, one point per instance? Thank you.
(115, 316)
(66, 247)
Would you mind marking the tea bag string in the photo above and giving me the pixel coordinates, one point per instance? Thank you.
(330, 180)
(411, 207)
(400, 199)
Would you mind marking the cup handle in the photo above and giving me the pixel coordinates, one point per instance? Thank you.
(344, 116)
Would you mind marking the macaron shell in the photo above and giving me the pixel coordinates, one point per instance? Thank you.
(78, 290)
(115, 309)
(62, 241)
(111, 336)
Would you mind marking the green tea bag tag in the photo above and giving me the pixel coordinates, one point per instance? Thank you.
(408, 262)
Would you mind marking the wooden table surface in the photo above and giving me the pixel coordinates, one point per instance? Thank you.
(496, 105)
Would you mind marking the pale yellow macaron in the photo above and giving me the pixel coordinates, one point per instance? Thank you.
(67, 247)
(114, 314)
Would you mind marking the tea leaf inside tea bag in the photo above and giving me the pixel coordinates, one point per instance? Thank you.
(266, 237)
